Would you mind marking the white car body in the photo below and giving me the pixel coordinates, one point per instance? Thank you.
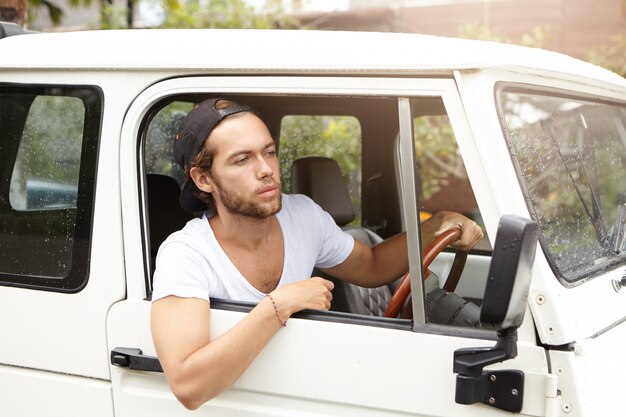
(56, 343)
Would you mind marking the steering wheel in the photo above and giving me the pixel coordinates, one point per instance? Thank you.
(429, 254)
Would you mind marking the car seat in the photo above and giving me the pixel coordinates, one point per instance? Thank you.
(165, 215)
(320, 179)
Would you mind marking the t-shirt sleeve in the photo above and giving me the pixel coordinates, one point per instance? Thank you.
(180, 271)
(335, 244)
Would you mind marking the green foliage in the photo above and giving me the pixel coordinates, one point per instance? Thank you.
(537, 38)
(437, 154)
(112, 17)
(224, 14)
(611, 57)
(160, 138)
(336, 137)
(54, 11)
(53, 138)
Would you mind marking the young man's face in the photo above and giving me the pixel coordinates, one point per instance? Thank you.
(245, 176)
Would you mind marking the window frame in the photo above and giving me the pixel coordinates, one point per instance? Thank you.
(78, 275)
(366, 87)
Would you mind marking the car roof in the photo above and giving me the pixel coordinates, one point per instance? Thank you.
(283, 51)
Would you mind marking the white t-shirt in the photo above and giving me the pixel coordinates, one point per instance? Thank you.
(191, 262)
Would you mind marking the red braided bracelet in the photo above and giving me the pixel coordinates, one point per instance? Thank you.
(282, 323)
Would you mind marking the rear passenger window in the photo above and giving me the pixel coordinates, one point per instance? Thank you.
(159, 156)
(45, 174)
(335, 137)
(48, 146)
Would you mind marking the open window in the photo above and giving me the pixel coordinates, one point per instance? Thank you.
(344, 146)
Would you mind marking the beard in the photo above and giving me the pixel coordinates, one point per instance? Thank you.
(238, 204)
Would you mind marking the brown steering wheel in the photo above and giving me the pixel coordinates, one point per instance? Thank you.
(429, 254)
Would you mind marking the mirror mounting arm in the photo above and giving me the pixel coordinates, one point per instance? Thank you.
(503, 389)
(503, 308)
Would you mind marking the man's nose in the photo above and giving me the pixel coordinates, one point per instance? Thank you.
(264, 168)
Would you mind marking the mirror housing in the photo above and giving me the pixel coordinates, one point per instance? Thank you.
(508, 283)
(503, 308)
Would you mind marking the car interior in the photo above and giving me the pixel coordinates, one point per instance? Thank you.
(342, 153)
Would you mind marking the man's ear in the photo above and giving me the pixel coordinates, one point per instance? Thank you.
(202, 179)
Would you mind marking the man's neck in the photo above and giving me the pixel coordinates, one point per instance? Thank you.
(243, 231)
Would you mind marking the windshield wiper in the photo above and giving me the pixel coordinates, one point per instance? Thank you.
(619, 230)
(596, 218)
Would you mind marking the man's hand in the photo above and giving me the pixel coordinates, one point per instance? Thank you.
(444, 220)
(314, 293)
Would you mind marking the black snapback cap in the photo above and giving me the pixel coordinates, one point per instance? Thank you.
(193, 132)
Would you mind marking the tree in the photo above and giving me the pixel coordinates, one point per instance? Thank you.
(537, 37)
(224, 14)
(54, 11)
(611, 57)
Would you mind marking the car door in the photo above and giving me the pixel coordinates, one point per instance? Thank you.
(322, 363)
(54, 292)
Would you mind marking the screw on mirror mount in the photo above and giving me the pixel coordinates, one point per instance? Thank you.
(503, 389)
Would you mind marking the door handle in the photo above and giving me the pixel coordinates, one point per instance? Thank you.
(133, 358)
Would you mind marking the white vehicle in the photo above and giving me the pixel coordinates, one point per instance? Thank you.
(418, 124)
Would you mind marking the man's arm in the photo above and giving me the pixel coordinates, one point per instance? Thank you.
(198, 368)
(387, 261)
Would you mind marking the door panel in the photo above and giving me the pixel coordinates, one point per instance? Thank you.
(29, 392)
(55, 291)
(322, 367)
(315, 367)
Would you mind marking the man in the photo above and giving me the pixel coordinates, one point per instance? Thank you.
(252, 244)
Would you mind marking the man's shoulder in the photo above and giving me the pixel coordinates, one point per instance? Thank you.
(298, 203)
(192, 234)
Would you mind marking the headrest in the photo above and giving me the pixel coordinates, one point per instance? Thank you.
(320, 179)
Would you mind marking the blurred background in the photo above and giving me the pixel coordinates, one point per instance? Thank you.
(592, 30)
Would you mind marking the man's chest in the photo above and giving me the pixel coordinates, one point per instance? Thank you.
(263, 267)
(262, 270)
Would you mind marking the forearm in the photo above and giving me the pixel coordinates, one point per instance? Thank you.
(387, 261)
(214, 367)
(198, 368)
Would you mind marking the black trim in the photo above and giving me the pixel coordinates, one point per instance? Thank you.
(372, 321)
(568, 347)
(523, 88)
(78, 276)
(330, 316)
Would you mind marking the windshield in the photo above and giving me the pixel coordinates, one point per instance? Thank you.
(570, 154)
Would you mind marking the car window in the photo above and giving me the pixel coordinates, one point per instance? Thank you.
(48, 144)
(444, 183)
(354, 136)
(333, 136)
(45, 174)
(570, 154)
(159, 156)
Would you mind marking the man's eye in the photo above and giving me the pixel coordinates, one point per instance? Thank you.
(271, 153)
(242, 161)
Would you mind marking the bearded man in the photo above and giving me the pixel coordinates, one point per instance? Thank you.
(252, 244)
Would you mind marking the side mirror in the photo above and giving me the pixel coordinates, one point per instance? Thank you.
(503, 309)
(508, 281)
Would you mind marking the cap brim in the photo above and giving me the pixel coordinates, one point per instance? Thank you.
(188, 201)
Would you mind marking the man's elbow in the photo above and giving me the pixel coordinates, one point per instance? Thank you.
(189, 403)
(190, 395)
(189, 399)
